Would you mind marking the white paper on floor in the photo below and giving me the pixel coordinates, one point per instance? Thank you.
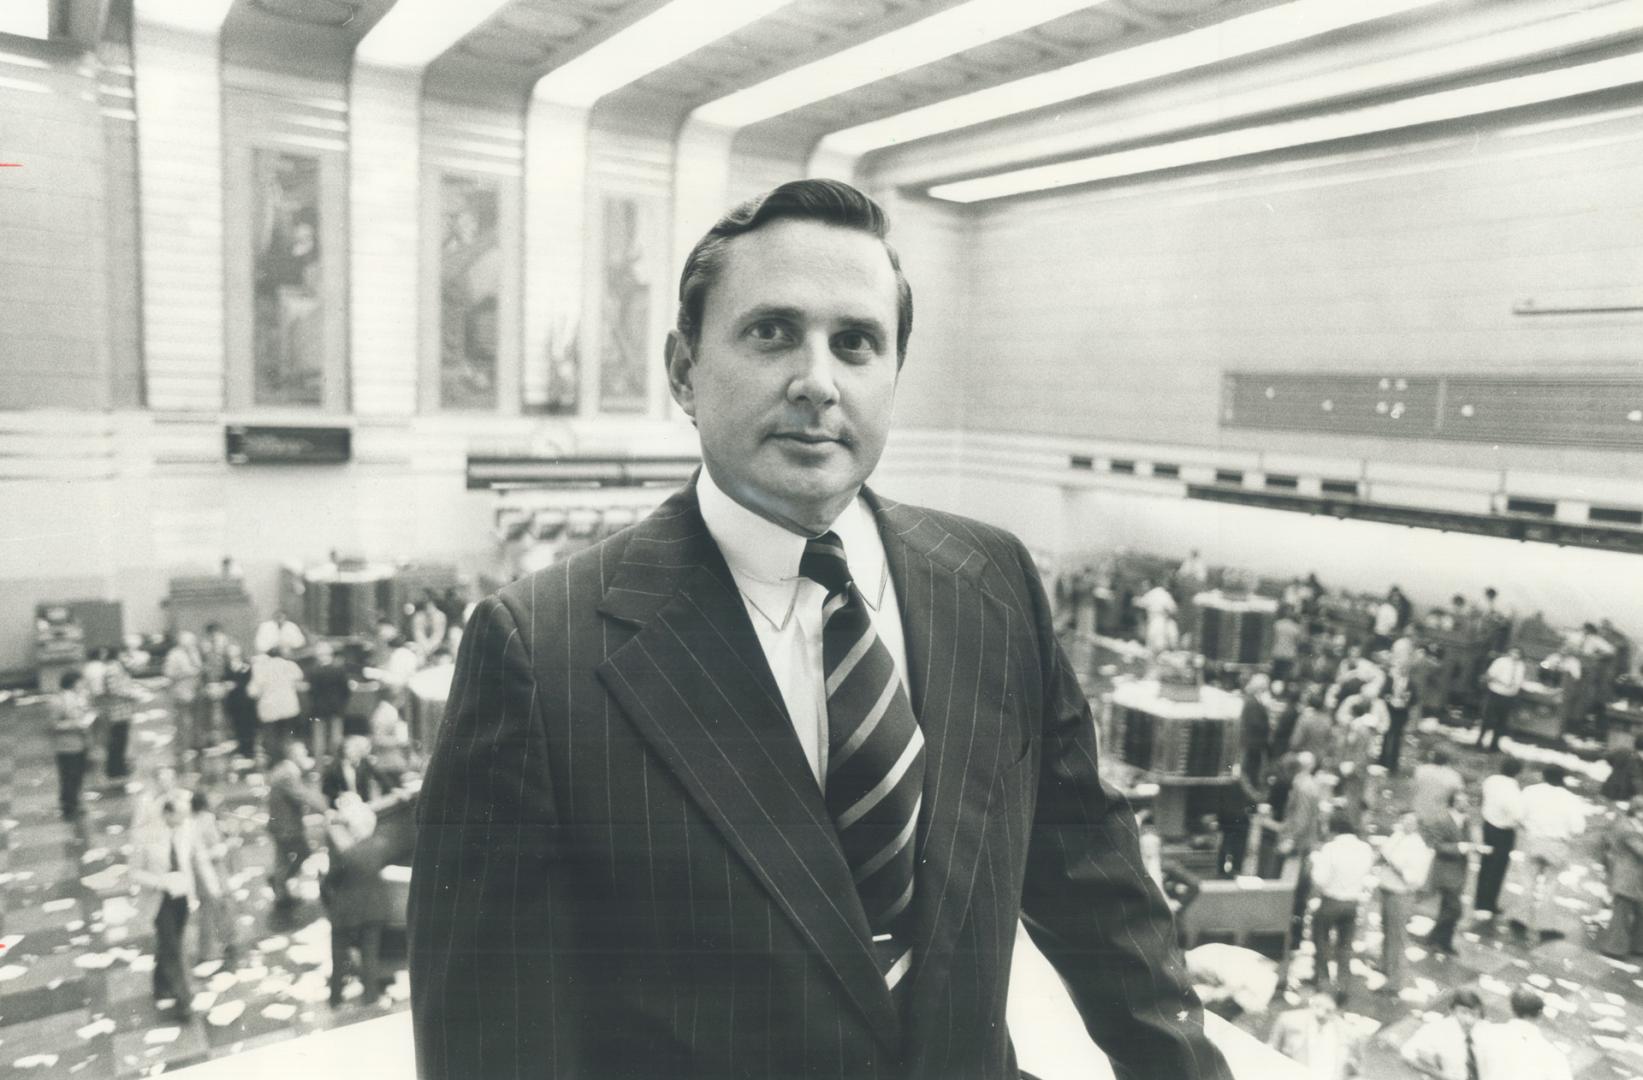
(118, 910)
(143, 963)
(312, 988)
(251, 973)
(279, 1011)
(222, 982)
(206, 968)
(202, 1001)
(105, 1026)
(225, 1014)
(57, 905)
(307, 955)
(93, 961)
(1419, 925)
(273, 944)
(36, 1061)
(160, 1036)
(12, 971)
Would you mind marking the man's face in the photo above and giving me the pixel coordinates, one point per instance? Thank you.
(793, 377)
(1323, 1006)
(1466, 1017)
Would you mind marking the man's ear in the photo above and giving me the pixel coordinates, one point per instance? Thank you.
(681, 367)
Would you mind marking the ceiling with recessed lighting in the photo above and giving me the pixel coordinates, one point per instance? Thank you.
(498, 61)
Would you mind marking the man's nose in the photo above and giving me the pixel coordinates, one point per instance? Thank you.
(813, 382)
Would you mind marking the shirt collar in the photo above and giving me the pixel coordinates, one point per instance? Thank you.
(764, 557)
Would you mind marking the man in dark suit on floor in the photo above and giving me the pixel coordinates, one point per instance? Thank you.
(761, 785)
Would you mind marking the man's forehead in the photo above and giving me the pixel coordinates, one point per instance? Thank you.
(800, 263)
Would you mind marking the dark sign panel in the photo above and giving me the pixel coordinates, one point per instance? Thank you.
(281, 445)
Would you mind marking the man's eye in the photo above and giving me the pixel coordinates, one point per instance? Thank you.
(856, 343)
(769, 333)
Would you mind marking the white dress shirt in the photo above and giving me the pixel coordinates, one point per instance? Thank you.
(1405, 862)
(786, 608)
(1517, 1048)
(1549, 812)
(1502, 801)
(1340, 869)
(1505, 676)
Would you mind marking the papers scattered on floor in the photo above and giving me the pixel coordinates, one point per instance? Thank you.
(225, 1014)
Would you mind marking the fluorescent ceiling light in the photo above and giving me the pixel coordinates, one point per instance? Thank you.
(201, 16)
(1568, 33)
(414, 32)
(937, 37)
(26, 18)
(1241, 36)
(1426, 109)
(652, 43)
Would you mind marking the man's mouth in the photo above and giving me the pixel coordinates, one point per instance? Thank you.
(810, 438)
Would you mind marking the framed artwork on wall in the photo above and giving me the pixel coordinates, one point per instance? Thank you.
(288, 276)
(628, 242)
(470, 273)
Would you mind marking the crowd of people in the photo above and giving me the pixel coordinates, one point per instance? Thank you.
(1326, 733)
(290, 713)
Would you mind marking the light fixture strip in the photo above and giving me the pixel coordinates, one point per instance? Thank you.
(414, 32)
(1569, 32)
(1236, 37)
(653, 42)
(966, 26)
(1429, 108)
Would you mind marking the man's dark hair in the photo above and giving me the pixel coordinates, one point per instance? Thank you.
(1637, 742)
(1554, 775)
(69, 681)
(1511, 766)
(1526, 1004)
(1440, 756)
(831, 202)
(1340, 823)
(1466, 998)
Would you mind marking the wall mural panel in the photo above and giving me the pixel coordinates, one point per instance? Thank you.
(625, 304)
(288, 347)
(470, 270)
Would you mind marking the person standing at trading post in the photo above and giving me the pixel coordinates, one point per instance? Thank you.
(290, 798)
(1502, 807)
(1448, 835)
(764, 784)
(1623, 855)
(71, 721)
(1447, 1047)
(169, 860)
(1404, 861)
(1503, 682)
(1550, 816)
(1340, 874)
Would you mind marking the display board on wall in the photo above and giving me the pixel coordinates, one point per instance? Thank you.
(1567, 410)
(470, 274)
(625, 303)
(288, 347)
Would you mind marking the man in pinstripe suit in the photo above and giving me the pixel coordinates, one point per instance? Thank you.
(761, 785)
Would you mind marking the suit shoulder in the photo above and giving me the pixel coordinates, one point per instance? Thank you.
(1001, 547)
(577, 579)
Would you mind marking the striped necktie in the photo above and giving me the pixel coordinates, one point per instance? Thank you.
(875, 764)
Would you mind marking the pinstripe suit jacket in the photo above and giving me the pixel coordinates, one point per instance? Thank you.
(624, 866)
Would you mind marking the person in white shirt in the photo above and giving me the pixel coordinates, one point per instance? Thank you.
(1386, 623)
(1160, 632)
(1446, 1047)
(1502, 807)
(1340, 876)
(1318, 1038)
(1503, 682)
(274, 683)
(1400, 872)
(1518, 1048)
(278, 632)
(1550, 815)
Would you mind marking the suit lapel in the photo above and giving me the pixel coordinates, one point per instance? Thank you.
(694, 681)
(957, 659)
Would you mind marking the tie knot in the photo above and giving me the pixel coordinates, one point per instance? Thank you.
(824, 563)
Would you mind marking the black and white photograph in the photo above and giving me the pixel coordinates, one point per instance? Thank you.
(843, 539)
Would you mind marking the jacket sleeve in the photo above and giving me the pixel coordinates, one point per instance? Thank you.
(1088, 902)
(492, 993)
